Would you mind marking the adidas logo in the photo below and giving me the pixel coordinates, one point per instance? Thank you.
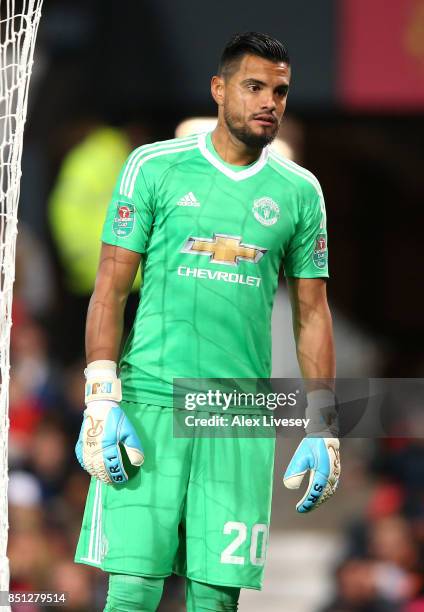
(188, 200)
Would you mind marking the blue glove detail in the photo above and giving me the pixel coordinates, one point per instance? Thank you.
(319, 456)
(105, 426)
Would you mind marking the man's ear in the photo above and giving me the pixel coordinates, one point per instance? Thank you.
(218, 89)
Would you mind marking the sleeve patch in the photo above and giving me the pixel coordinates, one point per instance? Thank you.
(123, 222)
(320, 254)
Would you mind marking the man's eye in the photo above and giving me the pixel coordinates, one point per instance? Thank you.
(253, 87)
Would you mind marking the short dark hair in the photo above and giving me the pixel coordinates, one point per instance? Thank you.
(251, 43)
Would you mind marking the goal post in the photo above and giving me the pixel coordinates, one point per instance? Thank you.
(19, 21)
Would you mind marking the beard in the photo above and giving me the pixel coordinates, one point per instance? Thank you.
(246, 135)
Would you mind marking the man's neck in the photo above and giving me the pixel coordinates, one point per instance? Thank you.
(232, 150)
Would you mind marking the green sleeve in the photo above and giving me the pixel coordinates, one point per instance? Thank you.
(129, 218)
(307, 254)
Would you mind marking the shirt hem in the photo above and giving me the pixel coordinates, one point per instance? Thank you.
(118, 243)
(147, 399)
(305, 275)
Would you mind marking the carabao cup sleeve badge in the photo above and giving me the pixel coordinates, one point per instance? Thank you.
(320, 251)
(123, 223)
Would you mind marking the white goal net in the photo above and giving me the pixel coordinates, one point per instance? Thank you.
(18, 29)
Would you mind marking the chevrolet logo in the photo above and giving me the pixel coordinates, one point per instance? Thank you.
(223, 249)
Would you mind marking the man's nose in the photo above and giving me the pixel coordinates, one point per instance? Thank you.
(268, 101)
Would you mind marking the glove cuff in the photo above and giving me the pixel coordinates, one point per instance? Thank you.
(103, 366)
(102, 382)
(321, 411)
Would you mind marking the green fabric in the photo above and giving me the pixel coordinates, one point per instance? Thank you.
(140, 594)
(209, 598)
(199, 507)
(78, 203)
(201, 317)
(133, 593)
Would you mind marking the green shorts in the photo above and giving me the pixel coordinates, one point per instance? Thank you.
(198, 507)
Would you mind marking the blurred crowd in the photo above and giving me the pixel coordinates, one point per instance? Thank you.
(383, 566)
(46, 487)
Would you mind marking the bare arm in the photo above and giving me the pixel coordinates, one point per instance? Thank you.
(105, 317)
(313, 329)
(313, 333)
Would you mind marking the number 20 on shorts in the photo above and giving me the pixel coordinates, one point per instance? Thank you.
(258, 543)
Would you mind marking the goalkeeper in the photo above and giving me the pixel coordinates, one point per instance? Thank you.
(211, 217)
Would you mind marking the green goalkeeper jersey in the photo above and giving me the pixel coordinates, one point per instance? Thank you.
(213, 238)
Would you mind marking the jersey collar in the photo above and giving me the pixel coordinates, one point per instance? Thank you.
(239, 175)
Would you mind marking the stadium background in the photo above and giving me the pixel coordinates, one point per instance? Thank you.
(107, 79)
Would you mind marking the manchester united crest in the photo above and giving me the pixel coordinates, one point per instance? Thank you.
(266, 211)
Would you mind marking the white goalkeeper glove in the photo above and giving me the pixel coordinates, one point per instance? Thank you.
(319, 455)
(106, 427)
